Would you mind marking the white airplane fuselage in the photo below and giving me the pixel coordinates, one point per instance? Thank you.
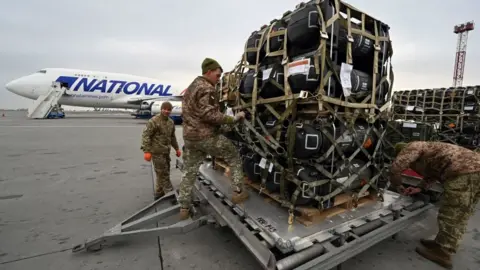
(95, 88)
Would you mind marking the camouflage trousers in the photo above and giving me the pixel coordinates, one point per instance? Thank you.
(161, 164)
(195, 152)
(460, 197)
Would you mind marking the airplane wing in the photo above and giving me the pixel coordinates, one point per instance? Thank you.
(139, 100)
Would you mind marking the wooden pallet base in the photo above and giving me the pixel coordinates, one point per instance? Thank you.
(220, 164)
(306, 215)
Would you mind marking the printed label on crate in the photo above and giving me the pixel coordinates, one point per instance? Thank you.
(416, 134)
(410, 108)
(346, 78)
(299, 67)
(468, 108)
(263, 163)
(270, 168)
(418, 109)
(470, 92)
(410, 125)
(266, 74)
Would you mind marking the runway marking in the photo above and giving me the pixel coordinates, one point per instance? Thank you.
(11, 197)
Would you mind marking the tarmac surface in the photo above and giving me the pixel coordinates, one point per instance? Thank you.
(63, 181)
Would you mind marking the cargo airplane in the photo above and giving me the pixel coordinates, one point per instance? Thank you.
(100, 89)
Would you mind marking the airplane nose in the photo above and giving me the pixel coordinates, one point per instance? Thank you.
(11, 86)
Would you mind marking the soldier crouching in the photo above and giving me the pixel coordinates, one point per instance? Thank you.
(157, 137)
(458, 170)
(201, 121)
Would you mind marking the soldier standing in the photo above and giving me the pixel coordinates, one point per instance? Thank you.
(157, 137)
(201, 121)
(458, 170)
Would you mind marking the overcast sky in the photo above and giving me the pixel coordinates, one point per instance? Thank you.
(168, 39)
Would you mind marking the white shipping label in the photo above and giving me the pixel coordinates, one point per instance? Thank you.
(410, 125)
(262, 163)
(468, 108)
(470, 92)
(266, 74)
(299, 67)
(270, 168)
(346, 79)
(410, 108)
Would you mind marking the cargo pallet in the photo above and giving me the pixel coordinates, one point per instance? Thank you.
(453, 111)
(287, 89)
(264, 229)
(307, 215)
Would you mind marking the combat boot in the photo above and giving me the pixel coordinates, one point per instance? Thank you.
(184, 213)
(239, 197)
(428, 243)
(435, 254)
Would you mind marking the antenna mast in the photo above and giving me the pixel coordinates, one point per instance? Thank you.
(462, 31)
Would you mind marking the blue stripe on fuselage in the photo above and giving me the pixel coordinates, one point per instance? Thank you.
(115, 86)
(68, 80)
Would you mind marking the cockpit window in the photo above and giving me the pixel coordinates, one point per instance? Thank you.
(42, 71)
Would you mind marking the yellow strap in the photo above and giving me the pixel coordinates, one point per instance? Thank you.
(349, 37)
(276, 34)
(255, 81)
(267, 46)
(375, 67)
(285, 61)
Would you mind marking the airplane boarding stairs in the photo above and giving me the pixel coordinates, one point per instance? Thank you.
(44, 104)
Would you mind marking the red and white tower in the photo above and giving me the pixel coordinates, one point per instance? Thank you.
(462, 31)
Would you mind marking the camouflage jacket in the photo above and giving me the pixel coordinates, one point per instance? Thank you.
(159, 135)
(201, 111)
(435, 161)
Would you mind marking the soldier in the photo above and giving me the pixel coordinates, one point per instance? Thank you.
(157, 137)
(201, 122)
(458, 170)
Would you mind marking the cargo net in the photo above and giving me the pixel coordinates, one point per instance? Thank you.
(452, 111)
(313, 85)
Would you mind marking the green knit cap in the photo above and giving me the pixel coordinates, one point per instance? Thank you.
(399, 147)
(210, 64)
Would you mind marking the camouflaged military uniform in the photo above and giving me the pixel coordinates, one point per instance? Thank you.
(202, 120)
(157, 138)
(458, 169)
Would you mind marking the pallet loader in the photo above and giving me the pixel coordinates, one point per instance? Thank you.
(263, 227)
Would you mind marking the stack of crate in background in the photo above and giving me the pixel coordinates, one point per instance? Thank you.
(452, 112)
